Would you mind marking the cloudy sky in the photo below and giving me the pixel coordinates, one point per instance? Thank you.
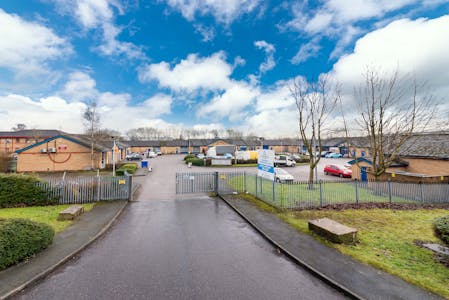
(203, 63)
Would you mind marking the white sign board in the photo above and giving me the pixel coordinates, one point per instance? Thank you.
(265, 164)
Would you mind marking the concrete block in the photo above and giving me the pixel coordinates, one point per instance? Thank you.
(333, 231)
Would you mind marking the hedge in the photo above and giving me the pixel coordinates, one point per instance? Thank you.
(22, 190)
(130, 168)
(189, 156)
(442, 228)
(21, 239)
(195, 161)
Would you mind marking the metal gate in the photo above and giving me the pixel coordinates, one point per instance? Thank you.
(210, 182)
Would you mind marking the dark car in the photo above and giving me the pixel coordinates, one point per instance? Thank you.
(337, 170)
(134, 156)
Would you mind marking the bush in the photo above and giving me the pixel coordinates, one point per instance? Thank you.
(243, 162)
(130, 168)
(189, 156)
(23, 190)
(442, 228)
(21, 239)
(195, 161)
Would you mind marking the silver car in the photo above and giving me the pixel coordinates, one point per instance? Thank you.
(280, 175)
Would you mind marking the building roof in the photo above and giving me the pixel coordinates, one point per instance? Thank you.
(66, 137)
(429, 145)
(31, 133)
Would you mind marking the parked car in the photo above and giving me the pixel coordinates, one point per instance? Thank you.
(333, 155)
(284, 160)
(280, 175)
(201, 156)
(151, 154)
(324, 153)
(133, 156)
(337, 170)
(228, 155)
(158, 153)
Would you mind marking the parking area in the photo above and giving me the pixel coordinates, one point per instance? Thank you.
(170, 164)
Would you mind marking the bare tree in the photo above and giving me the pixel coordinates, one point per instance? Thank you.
(392, 109)
(19, 126)
(92, 124)
(315, 102)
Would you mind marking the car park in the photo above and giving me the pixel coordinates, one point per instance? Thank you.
(333, 155)
(280, 175)
(337, 170)
(133, 156)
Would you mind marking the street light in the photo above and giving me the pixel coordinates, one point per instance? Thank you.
(113, 156)
(261, 139)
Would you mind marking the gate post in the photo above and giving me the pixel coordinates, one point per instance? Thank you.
(130, 188)
(216, 183)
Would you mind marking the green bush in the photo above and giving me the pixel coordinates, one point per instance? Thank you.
(442, 228)
(21, 239)
(189, 156)
(23, 190)
(130, 168)
(195, 161)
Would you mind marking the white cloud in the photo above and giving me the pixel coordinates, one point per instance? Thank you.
(340, 20)
(208, 33)
(229, 104)
(396, 45)
(99, 15)
(80, 87)
(307, 50)
(158, 105)
(59, 114)
(224, 12)
(269, 50)
(26, 47)
(192, 73)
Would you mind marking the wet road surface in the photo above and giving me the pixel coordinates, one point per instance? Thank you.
(179, 249)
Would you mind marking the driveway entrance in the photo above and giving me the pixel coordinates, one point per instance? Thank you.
(168, 248)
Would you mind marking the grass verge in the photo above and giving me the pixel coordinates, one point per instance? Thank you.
(43, 214)
(386, 240)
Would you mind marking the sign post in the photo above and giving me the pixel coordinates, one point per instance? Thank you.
(265, 164)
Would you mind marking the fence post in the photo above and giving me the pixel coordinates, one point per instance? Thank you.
(389, 190)
(421, 191)
(130, 188)
(98, 187)
(321, 193)
(255, 177)
(216, 184)
(356, 192)
(244, 181)
(274, 198)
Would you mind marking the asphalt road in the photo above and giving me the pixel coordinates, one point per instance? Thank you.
(168, 248)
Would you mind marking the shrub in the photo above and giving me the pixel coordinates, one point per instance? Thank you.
(442, 228)
(195, 161)
(21, 239)
(23, 190)
(130, 168)
(249, 161)
(189, 156)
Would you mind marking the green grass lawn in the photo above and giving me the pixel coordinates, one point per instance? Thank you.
(300, 195)
(44, 214)
(386, 240)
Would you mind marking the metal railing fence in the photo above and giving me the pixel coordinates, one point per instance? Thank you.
(88, 189)
(305, 195)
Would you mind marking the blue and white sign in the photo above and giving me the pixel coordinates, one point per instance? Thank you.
(265, 164)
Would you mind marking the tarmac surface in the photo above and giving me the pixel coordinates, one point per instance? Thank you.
(168, 247)
(196, 247)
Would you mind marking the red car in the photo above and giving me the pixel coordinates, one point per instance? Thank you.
(337, 170)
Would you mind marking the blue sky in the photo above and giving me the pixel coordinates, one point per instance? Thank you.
(203, 64)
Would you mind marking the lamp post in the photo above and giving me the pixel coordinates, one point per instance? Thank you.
(113, 156)
(261, 139)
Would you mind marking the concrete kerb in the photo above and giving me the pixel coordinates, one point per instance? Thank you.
(47, 271)
(295, 259)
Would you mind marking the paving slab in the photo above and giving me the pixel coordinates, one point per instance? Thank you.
(358, 279)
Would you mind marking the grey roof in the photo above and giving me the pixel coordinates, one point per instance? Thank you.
(137, 143)
(32, 133)
(429, 145)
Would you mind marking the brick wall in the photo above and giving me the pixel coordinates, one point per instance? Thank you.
(69, 156)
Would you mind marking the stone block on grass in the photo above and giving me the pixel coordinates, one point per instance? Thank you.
(333, 231)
